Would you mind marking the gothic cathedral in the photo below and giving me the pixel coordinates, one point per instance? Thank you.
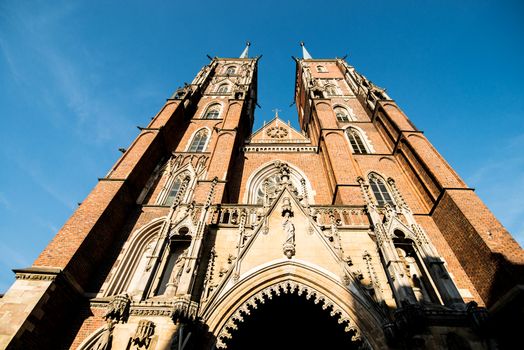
(350, 233)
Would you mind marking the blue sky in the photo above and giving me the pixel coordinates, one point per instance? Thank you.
(77, 77)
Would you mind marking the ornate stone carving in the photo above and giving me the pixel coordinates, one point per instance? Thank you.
(174, 278)
(276, 132)
(289, 228)
(143, 334)
(288, 287)
(118, 309)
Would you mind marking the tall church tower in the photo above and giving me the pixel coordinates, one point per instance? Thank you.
(352, 232)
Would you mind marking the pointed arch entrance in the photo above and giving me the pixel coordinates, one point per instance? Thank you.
(298, 298)
(291, 318)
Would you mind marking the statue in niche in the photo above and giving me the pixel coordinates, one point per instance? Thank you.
(414, 275)
(176, 273)
(289, 228)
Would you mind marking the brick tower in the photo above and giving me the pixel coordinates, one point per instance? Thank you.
(352, 232)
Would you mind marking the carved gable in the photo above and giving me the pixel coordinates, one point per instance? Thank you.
(277, 131)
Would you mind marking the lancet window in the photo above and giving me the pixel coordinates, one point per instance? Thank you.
(213, 111)
(357, 143)
(342, 114)
(199, 142)
(231, 70)
(223, 88)
(380, 191)
(178, 188)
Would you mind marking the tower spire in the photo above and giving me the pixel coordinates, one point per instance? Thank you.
(245, 53)
(305, 53)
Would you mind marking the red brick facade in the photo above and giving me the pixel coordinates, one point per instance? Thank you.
(480, 255)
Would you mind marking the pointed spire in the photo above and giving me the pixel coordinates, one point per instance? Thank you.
(305, 54)
(245, 53)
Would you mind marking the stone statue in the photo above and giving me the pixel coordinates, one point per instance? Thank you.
(174, 278)
(414, 276)
(289, 229)
(118, 308)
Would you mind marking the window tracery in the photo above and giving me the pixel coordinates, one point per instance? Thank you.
(231, 70)
(356, 141)
(267, 182)
(222, 89)
(199, 142)
(380, 191)
(213, 111)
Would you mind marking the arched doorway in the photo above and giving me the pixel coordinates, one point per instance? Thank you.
(291, 321)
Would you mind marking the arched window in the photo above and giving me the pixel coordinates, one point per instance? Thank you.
(321, 69)
(199, 141)
(267, 181)
(355, 139)
(231, 70)
(270, 184)
(223, 88)
(380, 191)
(342, 114)
(212, 112)
(175, 187)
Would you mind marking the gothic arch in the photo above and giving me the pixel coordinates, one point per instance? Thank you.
(210, 106)
(364, 137)
(185, 171)
(268, 169)
(358, 316)
(351, 115)
(190, 141)
(131, 257)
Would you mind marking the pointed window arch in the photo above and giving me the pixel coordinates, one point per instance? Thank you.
(342, 114)
(380, 190)
(357, 141)
(321, 69)
(199, 142)
(222, 89)
(213, 111)
(231, 70)
(176, 187)
(267, 181)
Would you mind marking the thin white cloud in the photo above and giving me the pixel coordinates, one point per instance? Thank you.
(64, 78)
(31, 170)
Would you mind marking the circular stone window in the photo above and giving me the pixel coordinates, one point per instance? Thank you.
(276, 132)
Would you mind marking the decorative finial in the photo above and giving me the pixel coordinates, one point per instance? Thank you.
(305, 53)
(246, 50)
(276, 110)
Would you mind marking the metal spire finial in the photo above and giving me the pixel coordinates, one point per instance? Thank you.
(246, 50)
(276, 110)
(305, 54)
